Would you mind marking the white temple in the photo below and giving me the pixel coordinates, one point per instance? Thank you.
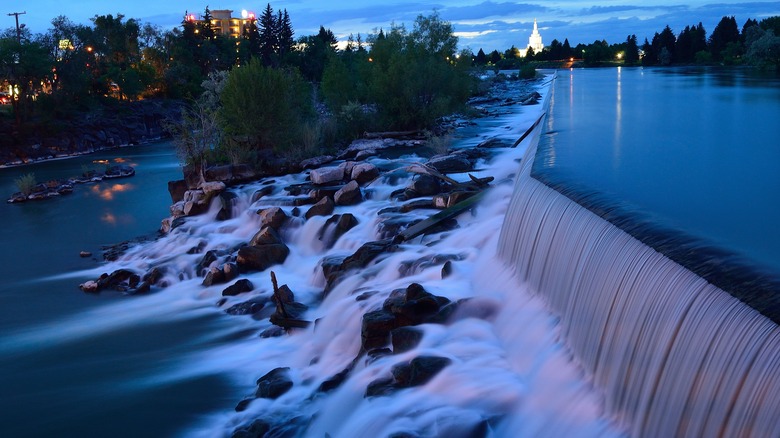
(534, 41)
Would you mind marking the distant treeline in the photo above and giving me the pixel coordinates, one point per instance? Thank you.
(757, 43)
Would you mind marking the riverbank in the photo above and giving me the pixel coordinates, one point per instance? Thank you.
(117, 125)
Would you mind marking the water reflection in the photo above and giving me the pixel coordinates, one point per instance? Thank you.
(107, 193)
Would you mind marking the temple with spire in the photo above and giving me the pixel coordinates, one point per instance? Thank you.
(534, 41)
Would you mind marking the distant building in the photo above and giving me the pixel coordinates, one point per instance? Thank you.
(224, 23)
(534, 41)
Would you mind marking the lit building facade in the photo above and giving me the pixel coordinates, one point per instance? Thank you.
(224, 23)
(534, 41)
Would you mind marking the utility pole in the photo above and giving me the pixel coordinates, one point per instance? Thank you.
(18, 30)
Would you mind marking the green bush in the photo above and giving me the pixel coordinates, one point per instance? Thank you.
(263, 107)
(527, 72)
(26, 183)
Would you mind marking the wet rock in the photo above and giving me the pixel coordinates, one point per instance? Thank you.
(230, 270)
(405, 338)
(89, 287)
(213, 276)
(249, 307)
(314, 162)
(194, 208)
(265, 191)
(417, 204)
(283, 295)
(335, 227)
(334, 381)
(450, 163)
(446, 269)
(261, 258)
(274, 384)
(273, 217)
(323, 208)
(176, 190)
(322, 192)
(326, 175)
(273, 332)
(425, 185)
(375, 329)
(222, 173)
(349, 194)
(258, 428)
(85, 254)
(494, 143)
(229, 201)
(118, 280)
(266, 236)
(239, 287)
(212, 188)
(208, 259)
(363, 173)
(381, 387)
(419, 370)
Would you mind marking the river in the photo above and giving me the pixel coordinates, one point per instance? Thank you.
(173, 363)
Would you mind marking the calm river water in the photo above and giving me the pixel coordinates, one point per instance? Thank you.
(685, 159)
(62, 376)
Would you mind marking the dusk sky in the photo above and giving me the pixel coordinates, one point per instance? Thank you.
(479, 24)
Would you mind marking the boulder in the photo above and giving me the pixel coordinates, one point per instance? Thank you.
(177, 189)
(273, 217)
(239, 287)
(375, 329)
(274, 384)
(229, 201)
(261, 193)
(262, 257)
(405, 338)
(363, 173)
(335, 227)
(249, 307)
(327, 175)
(311, 163)
(212, 188)
(494, 143)
(194, 208)
(323, 208)
(450, 163)
(349, 194)
(266, 236)
(213, 276)
(222, 173)
(425, 185)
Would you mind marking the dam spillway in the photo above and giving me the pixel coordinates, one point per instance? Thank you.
(674, 354)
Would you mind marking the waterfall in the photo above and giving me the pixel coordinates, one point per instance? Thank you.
(675, 355)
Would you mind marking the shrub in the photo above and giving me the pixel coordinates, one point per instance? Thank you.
(264, 107)
(527, 72)
(26, 183)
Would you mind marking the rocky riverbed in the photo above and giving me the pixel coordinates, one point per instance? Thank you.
(366, 233)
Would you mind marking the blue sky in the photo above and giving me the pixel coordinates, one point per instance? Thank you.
(488, 24)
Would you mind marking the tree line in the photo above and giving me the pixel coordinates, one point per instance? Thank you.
(757, 43)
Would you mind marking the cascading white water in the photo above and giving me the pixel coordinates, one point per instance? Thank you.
(675, 355)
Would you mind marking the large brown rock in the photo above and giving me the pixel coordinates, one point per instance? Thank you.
(260, 258)
(266, 236)
(363, 173)
(349, 194)
(323, 208)
(176, 190)
(327, 175)
(273, 217)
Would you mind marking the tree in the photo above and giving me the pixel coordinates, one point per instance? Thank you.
(725, 32)
(665, 40)
(495, 57)
(632, 50)
(481, 58)
(268, 36)
(24, 64)
(264, 107)
(315, 54)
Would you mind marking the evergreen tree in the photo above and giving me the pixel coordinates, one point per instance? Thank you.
(205, 28)
(651, 56)
(481, 58)
(495, 57)
(286, 35)
(268, 36)
(725, 33)
(632, 50)
(566, 49)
